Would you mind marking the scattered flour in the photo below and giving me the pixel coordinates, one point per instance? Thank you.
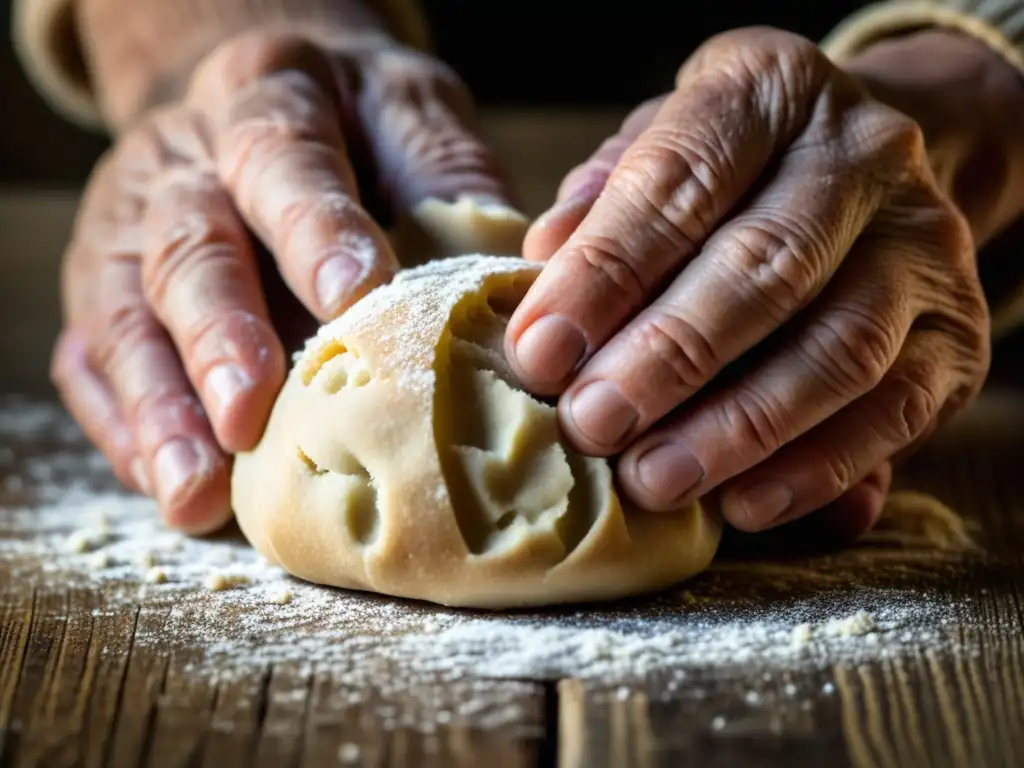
(245, 615)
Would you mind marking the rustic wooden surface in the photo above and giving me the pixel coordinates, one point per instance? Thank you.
(77, 688)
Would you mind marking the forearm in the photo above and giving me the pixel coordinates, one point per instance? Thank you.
(957, 67)
(102, 61)
(970, 103)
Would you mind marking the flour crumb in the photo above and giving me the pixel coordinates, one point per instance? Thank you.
(219, 581)
(80, 542)
(860, 623)
(156, 575)
(146, 559)
(280, 595)
(100, 561)
(349, 753)
(802, 634)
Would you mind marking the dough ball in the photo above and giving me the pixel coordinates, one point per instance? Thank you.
(402, 457)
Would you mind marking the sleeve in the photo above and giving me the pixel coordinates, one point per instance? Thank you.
(48, 39)
(997, 23)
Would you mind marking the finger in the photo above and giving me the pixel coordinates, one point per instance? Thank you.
(93, 406)
(419, 122)
(186, 468)
(282, 157)
(822, 465)
(751, 277)
(582, 186)
(839, 524)
(706, 147)
(201, 280)
(858, 510)
(843, 349)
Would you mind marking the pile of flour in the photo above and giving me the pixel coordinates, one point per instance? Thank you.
(73, 528)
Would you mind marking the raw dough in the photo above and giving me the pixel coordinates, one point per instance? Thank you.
(401, 457)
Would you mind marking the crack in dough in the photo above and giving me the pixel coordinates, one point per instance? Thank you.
(403, 457)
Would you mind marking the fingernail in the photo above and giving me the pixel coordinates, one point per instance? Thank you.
(762, 504)
(175, 465)
(601, 414)
(668, 472)
(224, 383)
(140, 476)
(550, 349)
(335, 279)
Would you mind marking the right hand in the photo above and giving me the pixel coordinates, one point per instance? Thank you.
(168, 358)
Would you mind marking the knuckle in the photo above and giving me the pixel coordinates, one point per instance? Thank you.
(241, 329)
(676, 178)
(123, 324)
(782, 259)
(679, 348)
(279, 112)
(756, 426)
(608, 262)
(192, 238)
(913, 405)
(327, 208)
(892, 143)
(840, 470)
(444, 150)
(160, 406)
(856, 350)
(953, 233)
(407, 74)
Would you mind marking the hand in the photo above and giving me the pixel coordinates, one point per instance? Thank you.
(169, 359)
(756, 289)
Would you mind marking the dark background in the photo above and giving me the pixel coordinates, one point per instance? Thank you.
(511, 53)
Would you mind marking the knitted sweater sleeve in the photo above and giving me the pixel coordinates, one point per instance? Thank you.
(53, 41)
(997, 23)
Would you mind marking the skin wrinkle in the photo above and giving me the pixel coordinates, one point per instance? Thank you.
(636, 203)
(608, 258)
(754, 411)
(856, 347)
(679, 346)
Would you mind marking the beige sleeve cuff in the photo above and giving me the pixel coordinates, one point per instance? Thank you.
(997, 23)
(46, 41)
(50, 46)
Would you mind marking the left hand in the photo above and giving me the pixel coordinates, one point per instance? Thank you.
(768, 211)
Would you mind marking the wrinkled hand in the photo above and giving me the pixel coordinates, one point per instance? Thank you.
(756, 288)
(169, 359)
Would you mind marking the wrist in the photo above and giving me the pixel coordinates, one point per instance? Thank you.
(141, 53)
(969, 102)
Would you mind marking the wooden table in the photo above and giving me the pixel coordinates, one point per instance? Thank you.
(905, 650)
